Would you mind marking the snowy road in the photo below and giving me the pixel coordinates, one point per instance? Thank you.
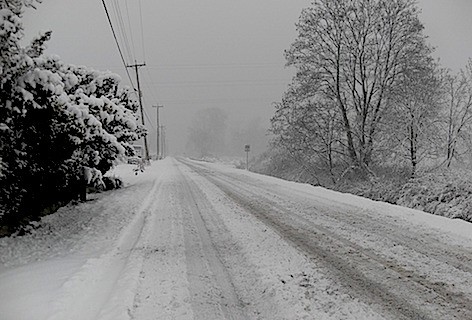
(192, 240)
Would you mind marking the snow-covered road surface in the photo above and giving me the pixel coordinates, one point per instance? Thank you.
(193, 240)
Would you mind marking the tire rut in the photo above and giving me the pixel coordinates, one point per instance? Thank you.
(360, 270)
(354, 221)
(211, 287)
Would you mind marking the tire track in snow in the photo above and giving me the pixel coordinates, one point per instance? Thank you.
(314, 245)
(460, 258)
(213, 293)
(417, 244)
(325, 246)
(387, 282)
(451, 275)
(255, 260)
(163, 286)
(104, 287)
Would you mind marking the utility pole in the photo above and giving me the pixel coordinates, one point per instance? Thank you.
(136, 66)
(247, 148)
(163, 141)
(164, 149)
(158, 128)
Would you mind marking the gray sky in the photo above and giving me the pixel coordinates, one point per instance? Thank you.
(211, 53)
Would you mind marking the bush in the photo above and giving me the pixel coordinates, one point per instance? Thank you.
(442, 192)
(446, 193)
(112, 182)
(55, 120)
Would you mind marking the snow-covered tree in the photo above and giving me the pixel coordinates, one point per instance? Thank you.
(308, 128)
(353, 52)
(457, 113)
(104, 114)
(13, 62)
(56, 122)
(413, 132)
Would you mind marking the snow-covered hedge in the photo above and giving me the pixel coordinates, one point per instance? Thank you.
(447, 193)
(444, 192)
(56, 120)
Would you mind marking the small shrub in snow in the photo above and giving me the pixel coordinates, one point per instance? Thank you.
(112, 182)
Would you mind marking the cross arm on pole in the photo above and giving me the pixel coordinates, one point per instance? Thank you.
(136, 66)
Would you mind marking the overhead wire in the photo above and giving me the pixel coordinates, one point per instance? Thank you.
(130, 29)
(216, 101)
(119, 31)
(148, 74)
(142, 29)
(220, 66)
(122, 28)
(117, 43)
(152, 93)
(128, 43)
(254, 65)
(149, 120)
(216, 82)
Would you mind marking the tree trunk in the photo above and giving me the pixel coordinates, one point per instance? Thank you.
(413, 150)
(82, 186)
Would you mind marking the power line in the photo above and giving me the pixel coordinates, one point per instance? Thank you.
(117, 43)
(222, 83)
(127, 38)
(221, 66)
(121, 29)
(230, 101)
(130, 29)
(275, 66)
(142, 29)
(149, 87)
(149, 119)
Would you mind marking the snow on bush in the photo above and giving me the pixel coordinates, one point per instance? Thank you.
(55, 120)
(112, 182)
(447, 193)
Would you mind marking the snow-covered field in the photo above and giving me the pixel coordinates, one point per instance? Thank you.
(193, 240)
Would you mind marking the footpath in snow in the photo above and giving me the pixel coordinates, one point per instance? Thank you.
(192, 240)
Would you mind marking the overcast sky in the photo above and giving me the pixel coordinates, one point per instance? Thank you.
(210, 53)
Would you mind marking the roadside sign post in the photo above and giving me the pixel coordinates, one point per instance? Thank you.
(158, 147)
(247, 148)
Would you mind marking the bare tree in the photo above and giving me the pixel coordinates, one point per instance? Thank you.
(416, 106)
(308, 129)
(354, 51)
(458, 110)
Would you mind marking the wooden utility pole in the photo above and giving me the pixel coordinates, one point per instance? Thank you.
(136, 66)
(158, 128)
(163, 141)
(247, 148)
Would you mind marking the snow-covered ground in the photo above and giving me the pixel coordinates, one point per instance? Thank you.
(193, 240)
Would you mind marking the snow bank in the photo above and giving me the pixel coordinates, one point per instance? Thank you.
(415, 217)
(65, 268)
